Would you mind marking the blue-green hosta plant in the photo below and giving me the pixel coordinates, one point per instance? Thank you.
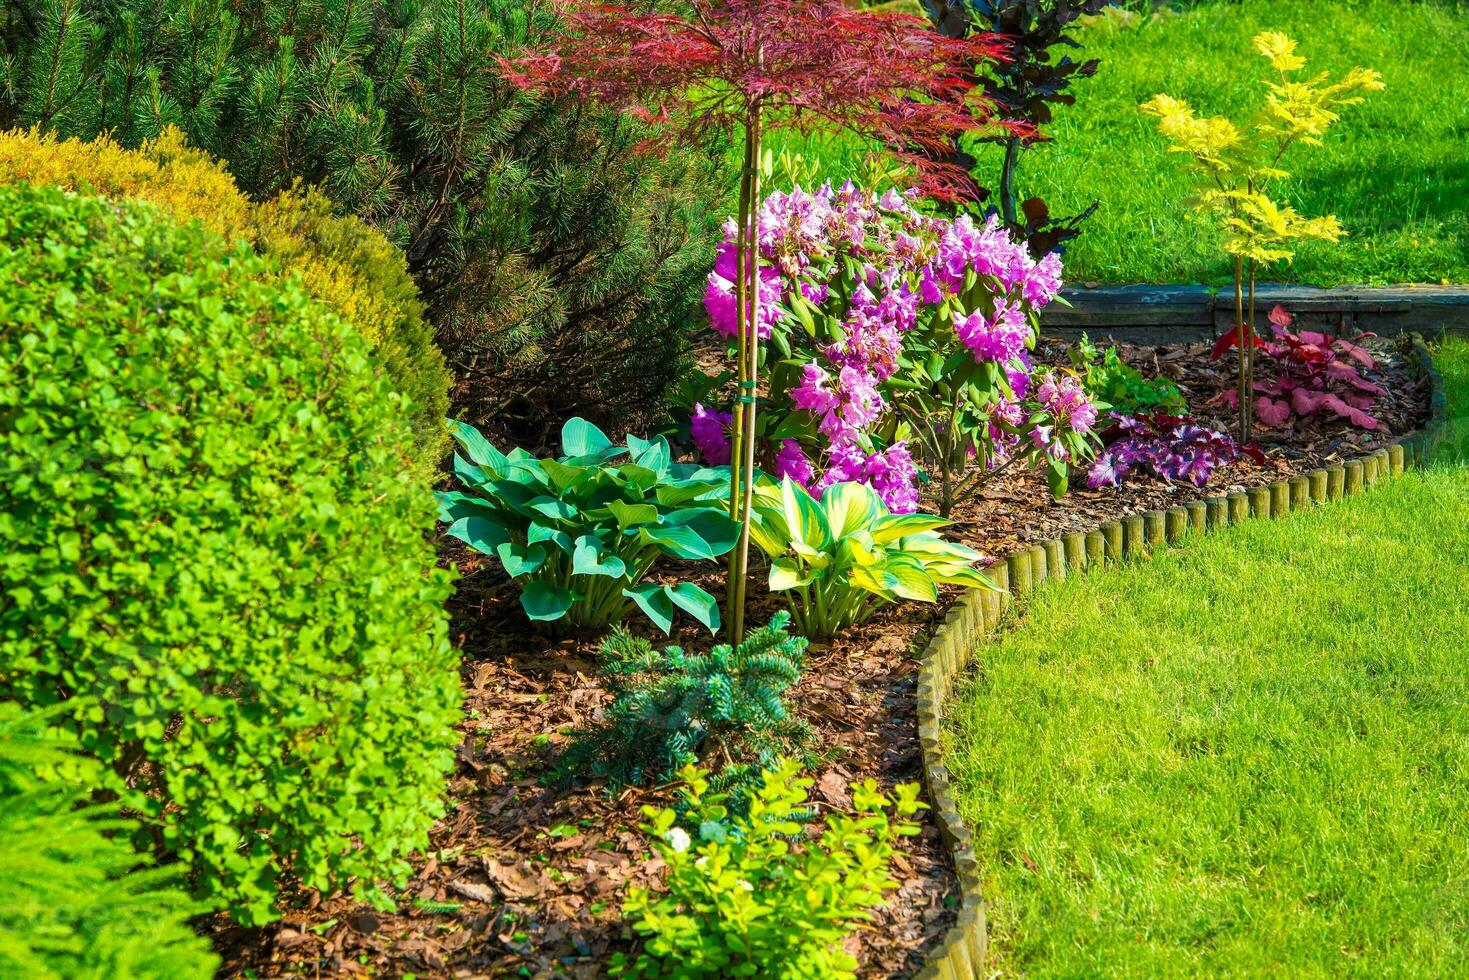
(845, 556)
(579, 533)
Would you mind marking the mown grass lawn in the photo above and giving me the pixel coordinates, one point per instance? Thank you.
(1248, 757)
(1395, 170)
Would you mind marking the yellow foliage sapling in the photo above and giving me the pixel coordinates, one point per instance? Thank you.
(1235, 166)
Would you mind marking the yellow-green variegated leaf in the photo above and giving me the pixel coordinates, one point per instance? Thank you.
(913, 581)
(860, 550)
(851, 507)
(874, 580)
(961, 575)
(768, 529)
(787, 573)
(804, 516)
(931, 547)
(895, 526)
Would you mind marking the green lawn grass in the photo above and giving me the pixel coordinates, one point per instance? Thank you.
(1247, 757)
(1394, 170)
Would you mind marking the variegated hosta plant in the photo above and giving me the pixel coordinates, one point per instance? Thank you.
(579, 533)
(845, 556)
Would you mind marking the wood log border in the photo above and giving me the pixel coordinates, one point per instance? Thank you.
(980, 613)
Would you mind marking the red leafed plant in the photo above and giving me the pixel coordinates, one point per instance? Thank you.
(1316, 373)
(740, 65)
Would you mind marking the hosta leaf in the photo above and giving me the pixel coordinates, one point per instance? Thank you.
(715, 526)
(674, 494)
(521, 559)
(681, 542)
(851, 507)
(480, 533)
(788, 573)
(911, 581)
(962, 575)
(543, 602)
(540, 532)
(655, 603)
(590, 557)
(696, 602)
(553, 508)
(453, 505)
(874, 580)
(581, 438)
(565, 477)
(804, 516)
(652, 455)
(630, 515)
(476, 446)
(895, 526)
(471, 475)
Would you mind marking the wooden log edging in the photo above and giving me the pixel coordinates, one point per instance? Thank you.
(980, 612)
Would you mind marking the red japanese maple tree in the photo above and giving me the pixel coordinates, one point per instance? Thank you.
(742, 65)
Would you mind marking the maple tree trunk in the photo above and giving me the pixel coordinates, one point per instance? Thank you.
(1250, 366)
(1007, 180)
(742, 449)
(1239, 331)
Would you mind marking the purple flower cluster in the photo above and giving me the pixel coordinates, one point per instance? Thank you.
(877, 271)
(709, 432)
(1169, 447)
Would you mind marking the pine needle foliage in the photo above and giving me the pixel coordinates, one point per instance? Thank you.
(78, 902)
(671, 707)
(558, 259)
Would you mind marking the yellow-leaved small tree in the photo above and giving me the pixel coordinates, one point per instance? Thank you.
(1236, 165)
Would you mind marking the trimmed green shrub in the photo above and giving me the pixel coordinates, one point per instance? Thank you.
(346, 264)
(212, 550)
(76, 904)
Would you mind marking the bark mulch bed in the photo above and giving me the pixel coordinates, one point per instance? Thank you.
(525, 878)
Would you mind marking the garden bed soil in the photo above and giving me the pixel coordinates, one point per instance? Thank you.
(525, 878)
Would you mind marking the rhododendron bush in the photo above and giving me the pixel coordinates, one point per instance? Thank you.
(904, 341)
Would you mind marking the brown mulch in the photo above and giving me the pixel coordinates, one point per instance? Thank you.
(525, 878)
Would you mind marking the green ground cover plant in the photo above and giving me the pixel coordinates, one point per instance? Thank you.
(1244, 757)
(742, 901)
(212, 553)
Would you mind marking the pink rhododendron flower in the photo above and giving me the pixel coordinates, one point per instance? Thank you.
(709, 432)
(792, 461)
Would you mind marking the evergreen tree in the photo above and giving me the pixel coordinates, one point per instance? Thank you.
(559, 261)
(670, 707)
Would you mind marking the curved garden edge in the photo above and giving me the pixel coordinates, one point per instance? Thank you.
(980, 612)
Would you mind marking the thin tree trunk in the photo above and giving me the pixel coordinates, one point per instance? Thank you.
(1250, 368)
(750, 372)
(1007, 180)
(732, 613)
(1239, 330)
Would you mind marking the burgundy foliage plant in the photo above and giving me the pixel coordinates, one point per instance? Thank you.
(1315, 372)
(744, 65)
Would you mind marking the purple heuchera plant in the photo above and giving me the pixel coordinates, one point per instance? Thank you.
(875, 269)
(1169, 447)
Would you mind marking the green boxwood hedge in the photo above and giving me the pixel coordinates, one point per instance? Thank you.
(210, 547)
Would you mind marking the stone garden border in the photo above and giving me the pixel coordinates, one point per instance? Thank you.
(980, 612)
